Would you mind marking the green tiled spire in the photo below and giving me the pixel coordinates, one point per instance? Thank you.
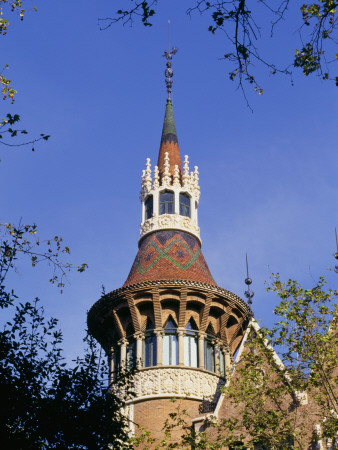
(169, 129)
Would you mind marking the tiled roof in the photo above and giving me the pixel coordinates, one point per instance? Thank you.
(169, 142)
(169, 254)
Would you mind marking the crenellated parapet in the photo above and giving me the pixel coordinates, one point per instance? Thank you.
(187, 182)
(170, 200)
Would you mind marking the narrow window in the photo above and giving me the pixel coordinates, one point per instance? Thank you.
(222, 363)
(209, 355)
(131, 353)
(190, 345)
(117, 359)
(170, 344)
(167, 202)
(209, 349)
(184, 205)
(149, 207)
(131, 347)
(149, 346)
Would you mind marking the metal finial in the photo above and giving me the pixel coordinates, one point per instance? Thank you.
(169, 73)
(336, 254)
(248, 293)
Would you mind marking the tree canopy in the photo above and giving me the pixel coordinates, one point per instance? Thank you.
(245, 25)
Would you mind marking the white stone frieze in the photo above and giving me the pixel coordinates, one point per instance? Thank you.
(177, 382)
(166, 221)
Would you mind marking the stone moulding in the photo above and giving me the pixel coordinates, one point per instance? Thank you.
(117, 293)
(168, 382)
(100, 317)
(170, 221)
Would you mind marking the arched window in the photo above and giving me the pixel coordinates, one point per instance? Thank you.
(190, 344)
(149, 346)
(167, 202)
(170, 344)
(184, 205)
(209, 349)
(149, 207)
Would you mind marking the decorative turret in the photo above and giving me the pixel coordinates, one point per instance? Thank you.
(170, 318)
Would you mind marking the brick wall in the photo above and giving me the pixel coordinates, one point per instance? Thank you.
(151, 414)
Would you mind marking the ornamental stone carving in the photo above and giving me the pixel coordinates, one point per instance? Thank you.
(164, 221)
(177, 382)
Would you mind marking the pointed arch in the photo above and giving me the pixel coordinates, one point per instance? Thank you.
(191, 324)
(211, 330)
(149, 325)
(170, 343)
(170, 322)
(130, 329)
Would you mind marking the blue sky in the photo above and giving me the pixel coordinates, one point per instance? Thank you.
(268, 179)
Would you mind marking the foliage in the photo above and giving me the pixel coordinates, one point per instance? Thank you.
(8, 91)
(24, 240)
(274, 402)
(243, 23)
(7, 130)
(46, 404)
(12, 6)
(269, 392)
(307, 334)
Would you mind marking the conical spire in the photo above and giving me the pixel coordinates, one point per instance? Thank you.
(169, 143)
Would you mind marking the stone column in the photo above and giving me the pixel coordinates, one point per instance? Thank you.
(111, 357)
(217, 357)
(180, 336)
(193, 210)
(201, 337)
(177, 201)
(159, 346)
(123, 352)
(156, 203)
(143, 211)
(222, 355)
(228, 360)
(139, 338)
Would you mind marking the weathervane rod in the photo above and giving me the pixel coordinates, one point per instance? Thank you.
(169, 73)
(248, 293)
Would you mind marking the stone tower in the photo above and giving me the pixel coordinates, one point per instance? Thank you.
(170, 317)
